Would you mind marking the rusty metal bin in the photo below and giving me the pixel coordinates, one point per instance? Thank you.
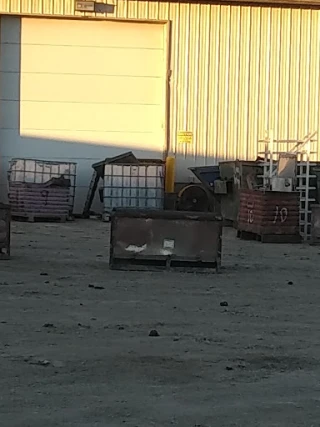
(5, 219)
(269, 216)
(165, 240)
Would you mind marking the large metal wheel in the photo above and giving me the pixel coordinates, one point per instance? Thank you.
(194, 198)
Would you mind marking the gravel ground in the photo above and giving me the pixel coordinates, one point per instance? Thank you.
(75, 346)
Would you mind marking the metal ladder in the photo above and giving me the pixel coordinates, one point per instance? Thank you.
(304, 187)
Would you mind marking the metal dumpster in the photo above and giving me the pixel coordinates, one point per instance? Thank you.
(239, 175)
(223, 184)
(165, 240)
(207, 175)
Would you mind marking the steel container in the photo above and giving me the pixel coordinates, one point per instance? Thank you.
(269, 216)
(149, 240)
(5, 219)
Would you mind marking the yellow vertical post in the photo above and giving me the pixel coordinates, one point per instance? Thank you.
(170, 175)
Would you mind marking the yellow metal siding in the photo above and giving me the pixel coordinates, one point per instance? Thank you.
(236, 71)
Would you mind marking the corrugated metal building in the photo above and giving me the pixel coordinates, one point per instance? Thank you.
(84, 86)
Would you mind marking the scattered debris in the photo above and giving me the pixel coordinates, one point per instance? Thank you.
(224, 304)
(84, 326)
(95, 287)
(154, 333)
(40, 362)
(43, 362)
(49, 325)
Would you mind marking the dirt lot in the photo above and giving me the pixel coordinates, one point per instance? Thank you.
(80, 356)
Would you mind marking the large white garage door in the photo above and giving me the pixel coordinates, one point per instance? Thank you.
(81, 91)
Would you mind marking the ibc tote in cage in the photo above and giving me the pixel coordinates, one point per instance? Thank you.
(41, 189)
(139, 186)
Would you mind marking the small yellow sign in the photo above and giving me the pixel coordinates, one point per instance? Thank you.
(185, 137)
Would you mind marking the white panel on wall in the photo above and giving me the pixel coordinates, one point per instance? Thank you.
(81, 90)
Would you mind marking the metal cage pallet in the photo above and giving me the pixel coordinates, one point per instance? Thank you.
(41, 189)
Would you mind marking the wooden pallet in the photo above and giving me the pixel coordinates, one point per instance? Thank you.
(141, 264)
(269, 238)
(40, 218)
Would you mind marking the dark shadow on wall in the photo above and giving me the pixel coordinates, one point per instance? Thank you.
(84, 154)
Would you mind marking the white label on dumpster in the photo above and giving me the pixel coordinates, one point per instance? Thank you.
(168, 244)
